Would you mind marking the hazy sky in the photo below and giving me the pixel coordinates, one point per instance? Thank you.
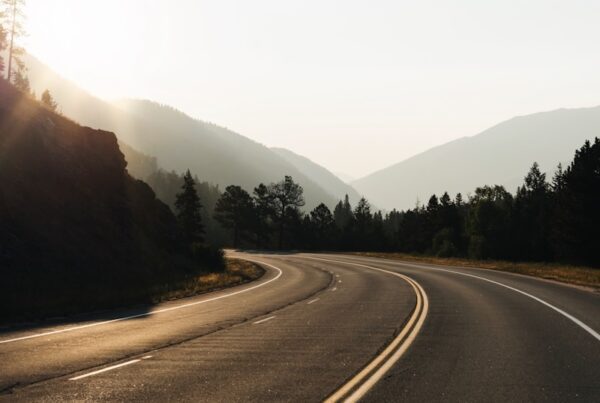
(353, 85)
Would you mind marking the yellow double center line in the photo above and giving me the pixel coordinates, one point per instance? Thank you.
(361, 383)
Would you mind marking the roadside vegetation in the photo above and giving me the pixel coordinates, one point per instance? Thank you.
(236, 272)
(77, 232)
(554, 222)
(577, 275)
(85, 297)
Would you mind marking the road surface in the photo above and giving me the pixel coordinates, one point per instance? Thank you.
(322, 326)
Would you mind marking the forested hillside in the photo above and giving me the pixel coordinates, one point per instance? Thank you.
(217, 155)
(72, 221)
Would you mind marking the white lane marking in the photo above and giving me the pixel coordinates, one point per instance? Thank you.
(339, 281)
(541, 301)
(314, 300)
(366, 378)
(107, 369)
(334, 289)
(146, 357)
(70, 329)
(258, 322)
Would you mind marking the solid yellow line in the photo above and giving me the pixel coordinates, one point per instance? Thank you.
(369, 383)
(392, 353)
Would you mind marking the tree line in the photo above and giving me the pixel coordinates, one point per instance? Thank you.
(554, 220)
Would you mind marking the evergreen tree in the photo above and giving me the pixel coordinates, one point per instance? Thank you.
(234, 210)
(458, 200)
(12, 12)
(489, 223)
(263, 211)
(48, 101)
(362, 225)
(286, 195)
(532, 214)
(447, 227)
(344, 221)
(576, 236)
(323, 225)
(558, 181)
(378, 235)
(188, 208)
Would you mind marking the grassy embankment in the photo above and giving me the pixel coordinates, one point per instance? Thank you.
(578, 275)
(47, 296)
(237, 272)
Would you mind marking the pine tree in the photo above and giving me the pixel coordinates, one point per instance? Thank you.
(578, 213)
(234, 210)
(558, 181)
(532, 216)
(322, 224)
(285, 195)
(263, 211)
(188, 208)
(48, 101)
(12, 13)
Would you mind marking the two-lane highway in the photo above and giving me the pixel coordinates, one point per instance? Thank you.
(305, 330)
(495, 336)
(320, 326)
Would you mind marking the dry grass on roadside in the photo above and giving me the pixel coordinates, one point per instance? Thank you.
(237, 272)
(579, 275)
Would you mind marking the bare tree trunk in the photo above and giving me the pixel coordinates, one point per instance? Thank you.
(12, 39)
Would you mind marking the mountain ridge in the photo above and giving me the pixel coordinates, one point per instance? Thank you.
(501, 154)
(319, 174)
(214, 153)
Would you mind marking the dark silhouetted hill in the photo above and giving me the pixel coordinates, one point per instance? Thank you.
(500, 155)
(72, 220)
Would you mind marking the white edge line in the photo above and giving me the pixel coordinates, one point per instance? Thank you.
(314, 300)
(152, 312)
(106, 369)
(541, 301)
(264, 320)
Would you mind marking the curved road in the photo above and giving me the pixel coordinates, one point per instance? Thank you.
(318, 326)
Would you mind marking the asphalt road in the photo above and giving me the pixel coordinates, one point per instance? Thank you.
(319, 326)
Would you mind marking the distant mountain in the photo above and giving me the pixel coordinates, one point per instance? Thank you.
(500, 155)
(178, 141)
(320, 175)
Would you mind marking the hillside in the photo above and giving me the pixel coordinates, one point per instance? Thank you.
(179, 142)
(318, 174)
(500, 155)
(71, 214)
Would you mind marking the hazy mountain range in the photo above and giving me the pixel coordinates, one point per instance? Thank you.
(500, 155)
(178, 141)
